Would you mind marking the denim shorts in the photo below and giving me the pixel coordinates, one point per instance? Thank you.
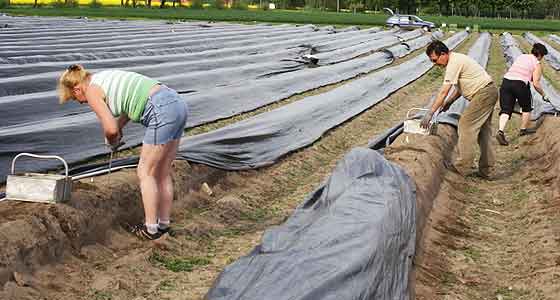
(164, 117)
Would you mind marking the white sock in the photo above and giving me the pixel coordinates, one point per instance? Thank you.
(152, 228)
(163, 224)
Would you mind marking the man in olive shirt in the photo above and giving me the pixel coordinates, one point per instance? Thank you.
(471, 81)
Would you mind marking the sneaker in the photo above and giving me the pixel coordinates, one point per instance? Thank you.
(141, 231)
(501, 137)
(526, 131)
(167, 230)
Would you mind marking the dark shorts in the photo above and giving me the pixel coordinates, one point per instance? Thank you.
(512, 91)
(164, 117)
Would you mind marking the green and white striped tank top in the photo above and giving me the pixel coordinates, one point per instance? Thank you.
(125, 92)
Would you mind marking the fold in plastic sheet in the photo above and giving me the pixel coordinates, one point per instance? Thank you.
(89, 35)
(181, 43)
(367, 47)
(358, 38)
(144, 51)
(554, 38)
(180, 75)
(263, 47)
(94, 37)
(263, 139)
(177, 75)
(78, 136)
(553, 56)
(479, 52)
(540, 107)
(32, 24)
(352, 238)
(202, 75)
(252, 94)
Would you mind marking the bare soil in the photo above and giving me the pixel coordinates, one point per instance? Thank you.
(497, 239)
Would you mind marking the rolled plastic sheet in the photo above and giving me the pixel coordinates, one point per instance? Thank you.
(352, 238)
(553, 56)
(261, 140)
(540, 107)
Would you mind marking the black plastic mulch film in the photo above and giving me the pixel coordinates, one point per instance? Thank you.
(48, 131)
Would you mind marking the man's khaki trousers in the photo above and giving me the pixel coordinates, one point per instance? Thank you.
(475, 126)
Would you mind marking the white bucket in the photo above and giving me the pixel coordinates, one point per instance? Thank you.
(413, 125)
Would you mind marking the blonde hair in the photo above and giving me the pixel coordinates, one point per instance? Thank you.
(72, 76)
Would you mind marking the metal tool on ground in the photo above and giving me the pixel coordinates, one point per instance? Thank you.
(114, 149)
(38, 187)
(412, 123)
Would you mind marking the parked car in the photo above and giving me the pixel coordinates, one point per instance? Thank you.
(409, 21)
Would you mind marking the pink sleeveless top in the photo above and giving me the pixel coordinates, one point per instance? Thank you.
(522, 68)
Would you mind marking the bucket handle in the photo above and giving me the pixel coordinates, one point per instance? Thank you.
(414, 109)
(41, 157)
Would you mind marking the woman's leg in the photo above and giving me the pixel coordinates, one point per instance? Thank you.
(507, 101)
(525, 119)
(151, 159)
(504, 118)
(165, 182)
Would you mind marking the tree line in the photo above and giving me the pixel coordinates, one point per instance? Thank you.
(467, 8)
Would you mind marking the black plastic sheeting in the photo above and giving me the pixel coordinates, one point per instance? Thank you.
(180, 43)
(511, 52)
(194, 72)
(553, 56)
(347, 53)
(92, 36)
(554, 38)
(249, 95)
(261, 140)
(211, 57)
(64, 135)
(479, 52)
(352, 238)
(182, 46)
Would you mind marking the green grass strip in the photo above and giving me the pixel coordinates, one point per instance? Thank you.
(276, 16)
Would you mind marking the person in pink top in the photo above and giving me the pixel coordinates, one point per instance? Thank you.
(526, 69)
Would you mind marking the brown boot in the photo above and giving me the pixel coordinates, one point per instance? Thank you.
(501, 137)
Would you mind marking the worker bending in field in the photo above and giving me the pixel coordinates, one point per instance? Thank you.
(119, 96)
(516, 87)
(472, 82)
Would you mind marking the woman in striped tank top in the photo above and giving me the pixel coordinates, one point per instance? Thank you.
(525, 69)
(117, 97)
